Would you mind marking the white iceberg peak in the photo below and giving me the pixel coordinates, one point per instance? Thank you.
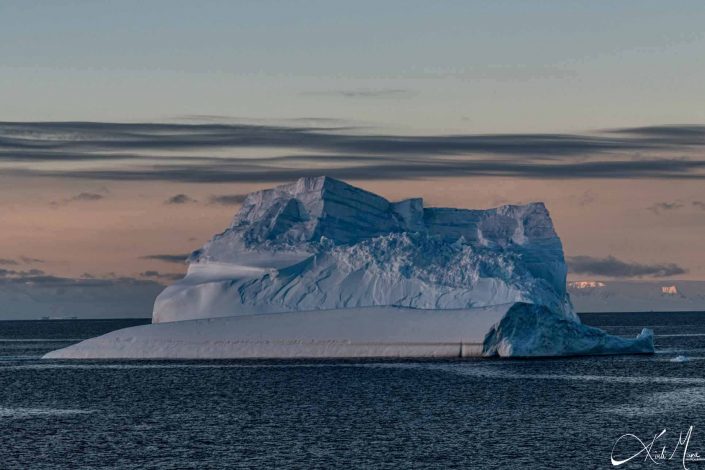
(333, 245)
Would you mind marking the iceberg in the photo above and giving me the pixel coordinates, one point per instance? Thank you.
(320, 268)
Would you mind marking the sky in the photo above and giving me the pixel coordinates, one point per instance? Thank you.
(130, 131)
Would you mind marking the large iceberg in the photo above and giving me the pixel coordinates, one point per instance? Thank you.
(320, 268)
(322, 244)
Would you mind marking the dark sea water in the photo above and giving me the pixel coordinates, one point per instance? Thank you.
(475, 414)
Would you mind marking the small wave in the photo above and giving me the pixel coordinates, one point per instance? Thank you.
(19, 358)
(487, 371)
(680, 359)
(41, 340)
(680, 335)
(175, 366)
(30, 412)
(673, 401)
(678, 351)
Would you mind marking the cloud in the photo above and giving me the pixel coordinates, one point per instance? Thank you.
(31, 295)
(86, 197)
(228, 199)
(586, 198)
(393, 169)
(685, 134)
(613, 267)
(23, 259)
(37, 277)
(181, 152)
(162, 276)
(180, 199)
(495, 73)
(665, 207)
(660, 207)
(169, 258)
(64, 140)
(364, 93)
(80, 197)
(14, 274)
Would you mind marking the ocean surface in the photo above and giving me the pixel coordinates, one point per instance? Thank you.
(474, 414)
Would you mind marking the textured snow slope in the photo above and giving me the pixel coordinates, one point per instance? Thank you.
(322, 244)
(363, 332)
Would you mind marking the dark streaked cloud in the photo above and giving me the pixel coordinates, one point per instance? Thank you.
(38, 277)
(155, 152)
(180, 199)
(666, 206)
(80, 197)
(169, 258)
(227, 199)
(392, 169)
(161, 276)
(88, 137)
(23, 260)
(11, 273)
(685, 134)
(29, 156)
(86, 197)
(30, 260)
(660, 207)
(613, 267)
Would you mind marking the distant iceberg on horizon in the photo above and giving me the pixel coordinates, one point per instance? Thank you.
(320, 268)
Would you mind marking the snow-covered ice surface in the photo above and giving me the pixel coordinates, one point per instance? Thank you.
(354, 332)
(518, 329)
(319, 268)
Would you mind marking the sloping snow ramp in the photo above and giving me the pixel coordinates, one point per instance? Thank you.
(361, 332)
